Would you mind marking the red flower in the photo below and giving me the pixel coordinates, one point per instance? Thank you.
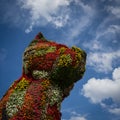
(54, 112)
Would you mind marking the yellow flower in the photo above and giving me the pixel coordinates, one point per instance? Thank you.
(62, 50)
(64, 60)
(45, 83)
(23, 84)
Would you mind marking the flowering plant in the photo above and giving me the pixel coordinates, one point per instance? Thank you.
(49, 73)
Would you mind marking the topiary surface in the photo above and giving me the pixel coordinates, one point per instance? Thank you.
(49, 73)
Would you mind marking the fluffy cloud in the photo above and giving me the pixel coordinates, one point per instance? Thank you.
(102, 62)
(104, 46)
(42, 12)
(116, 74)
(59, 14)
(99, 90)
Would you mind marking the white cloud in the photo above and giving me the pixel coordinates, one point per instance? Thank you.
(58, 13)
(28, 30)
(87, 9)
(115, 11)
(80, 23)
(102, 62)
(116, 74)
(77, 26)
(113, 28)
(60, 21)
(115, 111)
(74, 115)
(77, 118)
(103, 35)
(45, 12)
(98, 90)
(106, 32)
(104, 46)
(93, 45)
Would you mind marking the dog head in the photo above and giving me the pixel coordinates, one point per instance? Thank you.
(47, 59)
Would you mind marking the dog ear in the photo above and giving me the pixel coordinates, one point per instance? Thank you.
(39, 36)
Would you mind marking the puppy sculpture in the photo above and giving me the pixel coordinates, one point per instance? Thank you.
(49, 73)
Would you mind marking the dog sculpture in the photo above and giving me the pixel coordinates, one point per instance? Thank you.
(49, 73)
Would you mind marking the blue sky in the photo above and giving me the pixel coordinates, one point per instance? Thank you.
(93, 25)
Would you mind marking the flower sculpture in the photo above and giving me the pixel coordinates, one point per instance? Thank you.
(49, 73)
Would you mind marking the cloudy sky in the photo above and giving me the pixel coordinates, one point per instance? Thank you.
(93, 25)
